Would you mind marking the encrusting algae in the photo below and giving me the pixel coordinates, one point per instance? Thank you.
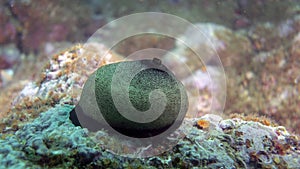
(262, 70)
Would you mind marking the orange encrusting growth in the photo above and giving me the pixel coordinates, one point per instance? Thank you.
(203, 124)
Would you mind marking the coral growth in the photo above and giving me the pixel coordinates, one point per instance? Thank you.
(268, 83)
(51, 140)
(61, 81)
(261, 61)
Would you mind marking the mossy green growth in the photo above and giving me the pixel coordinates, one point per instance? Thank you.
(152, 76)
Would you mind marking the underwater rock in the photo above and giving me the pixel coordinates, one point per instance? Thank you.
(61, 81)
(8, 30)
(226, 143)
(9, 56)
(210, 40)
(271, 36)
(267, 36)
(58, 21)
(262, 11)
(269, 83)
(136, 43)
(51, 140)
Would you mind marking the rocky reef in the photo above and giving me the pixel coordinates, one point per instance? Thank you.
(51, 140)
(37, 132)
(40, 84)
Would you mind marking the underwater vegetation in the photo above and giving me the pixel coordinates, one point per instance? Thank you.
(257, 41)
(39, 133)
(51, 140)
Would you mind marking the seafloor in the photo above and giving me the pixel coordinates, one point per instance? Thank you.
(42, 75)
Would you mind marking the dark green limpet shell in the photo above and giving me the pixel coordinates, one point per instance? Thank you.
(152, 76)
